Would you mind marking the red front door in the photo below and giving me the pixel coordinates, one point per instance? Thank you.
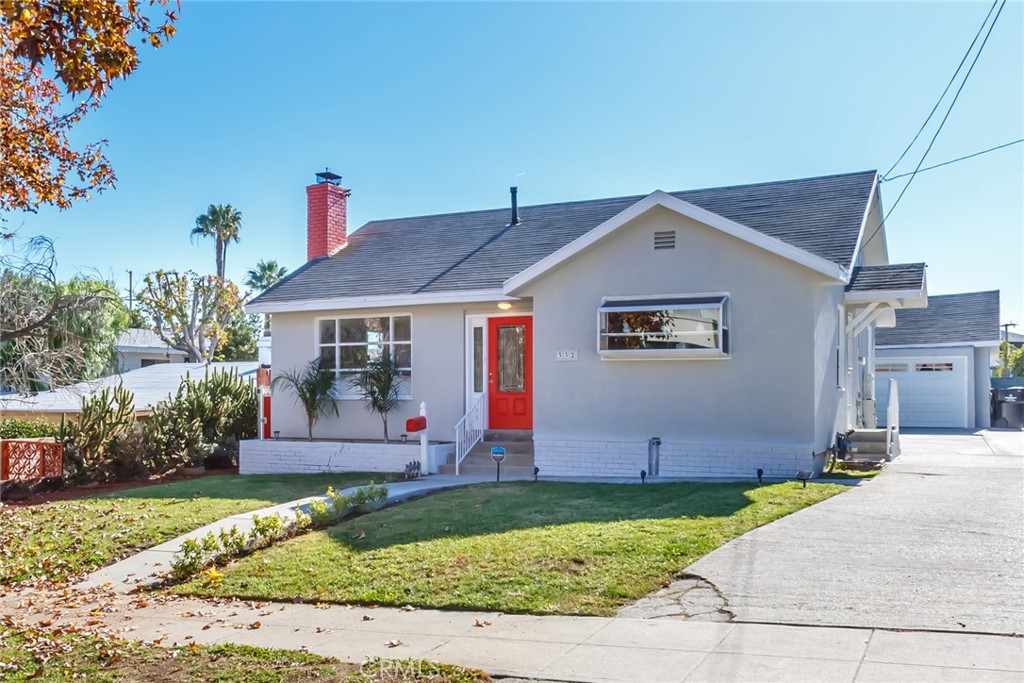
(510, 373)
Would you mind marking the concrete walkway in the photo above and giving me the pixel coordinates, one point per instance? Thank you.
(934, 542)
(588, 649)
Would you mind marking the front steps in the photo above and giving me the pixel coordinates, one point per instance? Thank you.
(868, 445)
(518, 461)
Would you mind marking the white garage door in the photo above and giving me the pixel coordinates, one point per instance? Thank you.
(933, 391)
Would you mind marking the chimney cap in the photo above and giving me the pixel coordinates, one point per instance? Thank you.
(326, 176)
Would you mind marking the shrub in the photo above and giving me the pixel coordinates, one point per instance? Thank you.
(203, 419)
(213, 549)
(14, 428)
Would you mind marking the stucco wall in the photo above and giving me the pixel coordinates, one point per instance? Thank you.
(438, 348)
(764, 394)
(982, 386)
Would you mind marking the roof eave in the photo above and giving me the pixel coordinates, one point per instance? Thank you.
(380, 301)
(939, 345)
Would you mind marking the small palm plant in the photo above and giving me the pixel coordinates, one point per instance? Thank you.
(379, 385)
(312, 388)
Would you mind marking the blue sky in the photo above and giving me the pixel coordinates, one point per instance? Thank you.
(431, 107)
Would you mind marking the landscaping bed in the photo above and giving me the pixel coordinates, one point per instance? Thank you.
(537, 547)
(58, 540)
(45, 657)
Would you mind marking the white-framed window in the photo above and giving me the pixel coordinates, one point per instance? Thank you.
(890, 367)
(677, 326)
(933, 367)
(348, 345)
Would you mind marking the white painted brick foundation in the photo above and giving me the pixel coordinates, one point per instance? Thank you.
(558, 458)
(307, 457)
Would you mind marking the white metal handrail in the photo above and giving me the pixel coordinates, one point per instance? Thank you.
(469, 431)
(892, 422)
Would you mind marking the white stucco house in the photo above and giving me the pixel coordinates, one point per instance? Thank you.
(941, 358)
(139, 347)
(735, 325)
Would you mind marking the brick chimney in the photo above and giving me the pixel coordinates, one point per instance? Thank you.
(326, 216)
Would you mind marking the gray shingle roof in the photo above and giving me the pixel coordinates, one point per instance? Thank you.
(891, 277)
(479, 250)
(140, 339)
(949, 319)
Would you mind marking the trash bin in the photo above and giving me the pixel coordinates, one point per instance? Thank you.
(1008, 407)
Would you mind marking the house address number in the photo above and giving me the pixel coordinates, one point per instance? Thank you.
(567, 355)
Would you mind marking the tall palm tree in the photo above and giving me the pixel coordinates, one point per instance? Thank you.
(221, 222)
(265, 275)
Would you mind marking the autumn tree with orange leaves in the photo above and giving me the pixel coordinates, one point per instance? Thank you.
(58, 60)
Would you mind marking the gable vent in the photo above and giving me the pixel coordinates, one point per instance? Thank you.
(665, 239)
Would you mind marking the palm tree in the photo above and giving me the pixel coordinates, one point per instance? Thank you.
(265, 275)
(379, 385)
(312, 388)
(221, 222)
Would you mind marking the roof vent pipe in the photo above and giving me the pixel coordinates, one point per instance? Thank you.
(515, 206)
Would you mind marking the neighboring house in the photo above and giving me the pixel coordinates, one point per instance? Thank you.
(150, 385)
(941, 358)
(1014, 338)
(735, 324)
(139, 348)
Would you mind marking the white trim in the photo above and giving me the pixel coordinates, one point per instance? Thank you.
(883, 295)
(667, 201)
(474, 320)
(345, 303)
(864, 224)
(941, 345)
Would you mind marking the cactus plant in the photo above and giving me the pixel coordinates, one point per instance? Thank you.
(104, 418)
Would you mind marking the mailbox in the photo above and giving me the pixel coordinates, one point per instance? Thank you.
(416, 424)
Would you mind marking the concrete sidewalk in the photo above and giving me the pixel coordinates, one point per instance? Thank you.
(587, 649)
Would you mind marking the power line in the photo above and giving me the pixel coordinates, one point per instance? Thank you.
(953, 161)
(952, 79)
(942, 123)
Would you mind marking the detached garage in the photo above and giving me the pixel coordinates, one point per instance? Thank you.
(941, 359)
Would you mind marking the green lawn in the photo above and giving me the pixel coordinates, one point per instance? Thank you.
(518, 547)
(29, 655)
(55, 541)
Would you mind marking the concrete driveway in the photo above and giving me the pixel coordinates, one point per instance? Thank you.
(934, 542)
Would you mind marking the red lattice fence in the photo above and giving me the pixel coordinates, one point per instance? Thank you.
(31, 459)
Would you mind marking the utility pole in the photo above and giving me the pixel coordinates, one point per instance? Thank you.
(1006, 343)
(131, 290)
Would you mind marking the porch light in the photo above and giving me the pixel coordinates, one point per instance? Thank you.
(504, 305)
(277, 435)
(405, 438)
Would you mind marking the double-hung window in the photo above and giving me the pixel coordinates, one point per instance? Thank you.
(664, 327)
(347, 346)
